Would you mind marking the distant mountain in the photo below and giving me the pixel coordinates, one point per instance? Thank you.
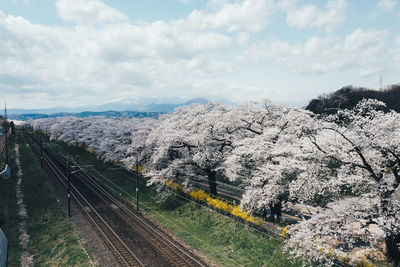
(125, 108)
(348, 97)
(145, 104)
(108, 114)
(45, 110)
(172, 107)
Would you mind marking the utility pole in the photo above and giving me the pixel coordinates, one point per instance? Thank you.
(137, 183)
(69, 189)
(41, 154)
(5, 110)
(5, 134)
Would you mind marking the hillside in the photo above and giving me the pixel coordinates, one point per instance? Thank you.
(347, 98)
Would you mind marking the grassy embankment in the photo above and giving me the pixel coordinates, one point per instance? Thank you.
(226, 242)
(9, 218)
(52, 240)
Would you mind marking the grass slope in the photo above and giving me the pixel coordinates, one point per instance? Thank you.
(9, 218)
(226, 242)
(52, 240)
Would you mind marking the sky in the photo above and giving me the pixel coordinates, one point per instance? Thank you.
(90, 52)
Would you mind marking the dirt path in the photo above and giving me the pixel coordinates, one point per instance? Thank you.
(26, 258)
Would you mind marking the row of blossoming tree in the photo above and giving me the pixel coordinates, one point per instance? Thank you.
(346, 164)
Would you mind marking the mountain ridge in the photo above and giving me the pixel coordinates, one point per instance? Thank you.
(149, 110)
(147, 105)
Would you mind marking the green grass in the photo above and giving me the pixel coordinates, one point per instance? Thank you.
(9, 218)
(226, 242)
(52, 240)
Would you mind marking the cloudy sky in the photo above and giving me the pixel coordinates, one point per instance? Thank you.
(89, 52)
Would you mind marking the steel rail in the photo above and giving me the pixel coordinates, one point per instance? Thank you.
(161, 244)
(118, 246)
(174, 254)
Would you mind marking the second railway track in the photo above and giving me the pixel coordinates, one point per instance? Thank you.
(133, 239)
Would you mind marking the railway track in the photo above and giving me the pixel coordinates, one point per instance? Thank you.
(102, 206)
(119, 248)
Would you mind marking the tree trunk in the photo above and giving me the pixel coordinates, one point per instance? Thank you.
(392, 238)
(393, 251)
(212, 182)
(276, 209)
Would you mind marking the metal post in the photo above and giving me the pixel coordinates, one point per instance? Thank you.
(69, 189)
(77, 159)
(6, 148)
(41, 154)
(137, 184)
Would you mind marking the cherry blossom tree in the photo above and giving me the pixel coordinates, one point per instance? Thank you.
(139, 151)
(269, 157)
(365, 142)
(320, 160)
(109, 137)
(340, 232)
(192, 142)
(41, 124)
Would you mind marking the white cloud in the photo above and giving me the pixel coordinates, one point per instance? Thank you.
(313, 17)
(317, 55)
(61, 65)
(247, 15)
(243, 38)
(88, 12)
(363, 40)
(212, 52)
(359, 50)
(386, 5)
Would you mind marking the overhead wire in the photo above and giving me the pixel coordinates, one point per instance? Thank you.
(160, 215)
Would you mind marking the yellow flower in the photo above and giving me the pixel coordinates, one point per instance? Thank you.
(140, 169)
(199, 195)
(284, 231)
(175, 186)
